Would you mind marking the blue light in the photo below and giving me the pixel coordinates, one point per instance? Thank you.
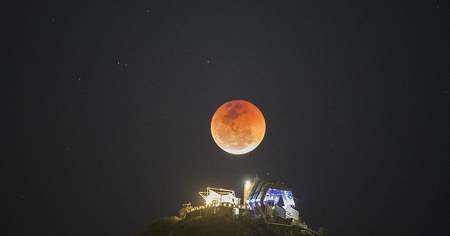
(275, 195)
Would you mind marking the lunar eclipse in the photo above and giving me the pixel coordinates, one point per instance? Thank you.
(238, 127)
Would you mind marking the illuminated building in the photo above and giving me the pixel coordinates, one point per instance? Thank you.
(273, 201)
(219, 196)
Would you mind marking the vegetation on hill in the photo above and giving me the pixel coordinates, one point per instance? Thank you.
(218, 226)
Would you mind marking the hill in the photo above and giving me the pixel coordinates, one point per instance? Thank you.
(219, 226)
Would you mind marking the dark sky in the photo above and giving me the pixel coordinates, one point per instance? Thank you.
(115, 101)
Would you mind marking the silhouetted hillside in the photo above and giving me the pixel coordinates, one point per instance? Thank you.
(218, 226)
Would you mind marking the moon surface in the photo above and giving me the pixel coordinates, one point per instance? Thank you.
(238, 127)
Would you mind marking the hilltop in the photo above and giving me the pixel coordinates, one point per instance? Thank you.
(268, 209)
(214, 225)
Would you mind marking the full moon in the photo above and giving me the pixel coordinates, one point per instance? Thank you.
(238, 127)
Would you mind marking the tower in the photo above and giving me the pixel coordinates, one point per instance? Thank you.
(248, 185)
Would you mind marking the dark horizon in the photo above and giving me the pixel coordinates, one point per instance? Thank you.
(115, 100)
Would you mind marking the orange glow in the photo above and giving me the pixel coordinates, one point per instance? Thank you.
(238, 127)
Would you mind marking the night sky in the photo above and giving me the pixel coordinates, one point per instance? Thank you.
(111, 128)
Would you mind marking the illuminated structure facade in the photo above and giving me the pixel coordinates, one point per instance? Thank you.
(273, 201)
(218, 201)
(219, 196)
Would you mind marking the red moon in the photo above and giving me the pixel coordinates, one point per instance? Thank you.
(238, 127)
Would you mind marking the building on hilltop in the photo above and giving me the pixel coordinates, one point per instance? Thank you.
(273, 201)
(218, 201)
(219, 195)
